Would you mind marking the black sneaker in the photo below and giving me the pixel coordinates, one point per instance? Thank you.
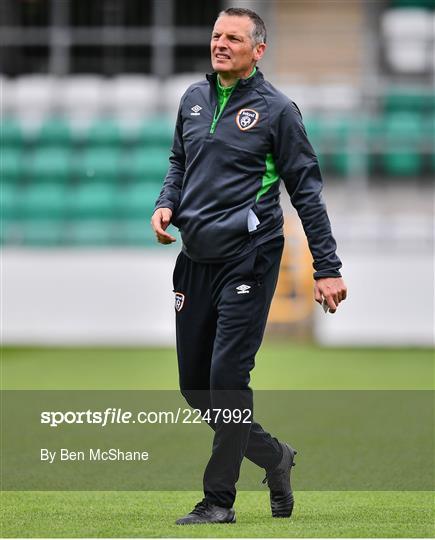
(278, 480)
(205, 512)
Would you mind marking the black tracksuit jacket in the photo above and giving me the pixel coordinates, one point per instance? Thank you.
(217, 174)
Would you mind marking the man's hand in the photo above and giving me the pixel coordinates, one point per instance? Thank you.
(160, 222)
(333, 290)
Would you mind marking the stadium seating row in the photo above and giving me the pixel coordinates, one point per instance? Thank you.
(424, 4)
(402, 111)
(408, 99)
(57, 131)
(62, 130)
(100, 164)
(104, 167)
(86, 201)
(96, 214)
(399, 143)
(396, 144)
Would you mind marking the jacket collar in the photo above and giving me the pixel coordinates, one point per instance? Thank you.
(252, 82)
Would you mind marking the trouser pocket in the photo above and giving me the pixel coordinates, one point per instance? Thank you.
(267, 256)
(177, 271)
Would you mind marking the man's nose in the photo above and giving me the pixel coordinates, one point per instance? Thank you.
(221, 42)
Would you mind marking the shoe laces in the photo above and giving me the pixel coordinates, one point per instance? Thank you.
(201, 508)
(275, 473)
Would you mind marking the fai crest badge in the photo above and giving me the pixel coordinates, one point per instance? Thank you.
(246, 119)
(179, 301)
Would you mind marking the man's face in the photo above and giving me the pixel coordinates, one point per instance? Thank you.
(232, 48)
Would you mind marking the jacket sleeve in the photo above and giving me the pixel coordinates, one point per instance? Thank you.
(170, 193)
(297, 164)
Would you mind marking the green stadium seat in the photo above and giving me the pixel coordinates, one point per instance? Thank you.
(401, 163)
(347, 137)
(90, 233)
(11, 165)
(425, 4)
(404, 127)
(429, 143)
(413, 100)
(42, 233)
(137, 201)
(49, 165)
(376, 137)
(375, 130)
(10, 133)
(54, 132)
(328, 136)
(46, 201)
(9, 199)
(334, 136)
(314, 129)
(403, 143)
(103, 132)
(98, 165)
(349, 162)
(157, 132)
(147, 164)
(429, 134)
(93, 201)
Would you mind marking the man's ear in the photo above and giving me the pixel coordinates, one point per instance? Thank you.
(259, 51)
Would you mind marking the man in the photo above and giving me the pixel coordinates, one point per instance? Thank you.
(236, 136)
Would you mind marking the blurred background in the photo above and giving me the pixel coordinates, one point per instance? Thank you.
(89, 91)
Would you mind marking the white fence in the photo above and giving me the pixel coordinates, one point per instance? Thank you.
(125, 297)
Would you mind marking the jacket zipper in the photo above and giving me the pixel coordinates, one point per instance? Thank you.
(217, 117)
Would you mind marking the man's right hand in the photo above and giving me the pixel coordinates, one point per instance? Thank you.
(160, 222)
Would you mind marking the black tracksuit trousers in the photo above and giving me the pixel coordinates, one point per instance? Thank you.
(221, 313)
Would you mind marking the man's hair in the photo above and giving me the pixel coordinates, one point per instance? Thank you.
(259, 31)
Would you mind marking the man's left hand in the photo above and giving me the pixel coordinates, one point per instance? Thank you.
(333, 290)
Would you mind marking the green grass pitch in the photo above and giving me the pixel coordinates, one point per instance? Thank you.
(280, 365)
(152, 514)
